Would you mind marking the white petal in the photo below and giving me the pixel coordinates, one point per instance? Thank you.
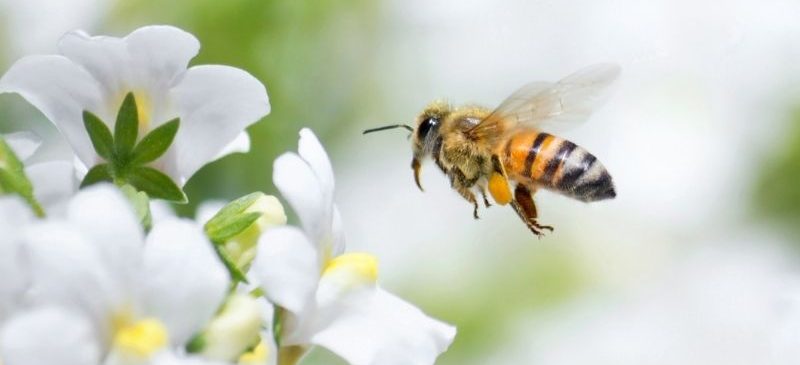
(54, 182)
(106, 217)
(239, 145)
(216, 103)
(61, 90)
(49, 336)
(14, 214)
(299, 185)
(69, 272)
(184, 280)
(337, 231)
(106, 59)
(287, 266)
(311, 150)
(160, 53)
(161, 210)
(24, 144)
(371, 326)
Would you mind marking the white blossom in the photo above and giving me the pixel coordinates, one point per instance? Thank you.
(327, 297)
(214, 103)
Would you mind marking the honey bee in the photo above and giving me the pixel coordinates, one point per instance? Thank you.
(481, 149)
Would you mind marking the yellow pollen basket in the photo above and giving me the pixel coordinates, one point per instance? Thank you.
(141, 339)
(360, 268)
(255, 357)
(498, 187)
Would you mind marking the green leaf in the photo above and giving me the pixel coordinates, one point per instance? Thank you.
(196, 344)
(13, 179)
(229, 228)
(99, 134)
(97, 174)
(127, 128)
(231, 209)
(236, 274)
(141, 205)
(155, 143)
(155, 183)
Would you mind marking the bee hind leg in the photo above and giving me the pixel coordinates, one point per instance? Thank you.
(526, 209)
(485, 200)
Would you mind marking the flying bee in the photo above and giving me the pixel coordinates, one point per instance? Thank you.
(481, 149)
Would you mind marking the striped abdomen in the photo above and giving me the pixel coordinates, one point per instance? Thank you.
(550, 162)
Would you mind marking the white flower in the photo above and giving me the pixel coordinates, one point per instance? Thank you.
(54, 181)
(142, 295)
(327, 297)
(14, 215)
(214, 103)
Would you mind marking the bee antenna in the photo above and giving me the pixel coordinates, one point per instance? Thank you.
(406, 126)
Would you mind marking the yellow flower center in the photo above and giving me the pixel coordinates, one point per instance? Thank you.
(143, 109)
(141, 339)
(355, 268)
(256, 356)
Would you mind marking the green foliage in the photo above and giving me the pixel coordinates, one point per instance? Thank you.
(127, 159)
(13, 179)
(232, 219)
(777, 193)
(316, 59)
(126, 130)
(141, 205)
(155, 143)
(99, 134)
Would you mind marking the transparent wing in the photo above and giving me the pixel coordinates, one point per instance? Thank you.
(551, 106)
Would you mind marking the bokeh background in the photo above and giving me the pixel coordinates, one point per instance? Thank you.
(695, 262)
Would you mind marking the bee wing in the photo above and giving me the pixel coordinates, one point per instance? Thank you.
(550, 106)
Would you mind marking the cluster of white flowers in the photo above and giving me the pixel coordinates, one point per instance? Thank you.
(92, 276)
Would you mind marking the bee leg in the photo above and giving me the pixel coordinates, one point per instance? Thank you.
(485, 200)
(526, 209)
(460, 183)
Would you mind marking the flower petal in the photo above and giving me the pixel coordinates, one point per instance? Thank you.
(215, 103)
(106, 217)
(54, 182)
(70, 272)
(160, 53)
(184, 280)
(300, 186)
(108, 62)
(24, 144)
(311, 150)
(14, 214)
(239, 145)
(287, 266)
(49, 336)
(371, 326)
(61, 90)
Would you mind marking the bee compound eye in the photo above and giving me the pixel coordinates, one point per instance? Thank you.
(427, 125)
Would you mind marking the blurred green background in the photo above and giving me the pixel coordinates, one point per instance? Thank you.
(704, 147)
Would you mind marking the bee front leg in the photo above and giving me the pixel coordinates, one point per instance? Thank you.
(526, 209)
(462, 185)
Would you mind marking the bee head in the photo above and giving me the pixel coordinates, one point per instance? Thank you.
(427, 128)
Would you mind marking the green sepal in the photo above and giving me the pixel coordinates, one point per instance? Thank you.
(236, 274)
(229, 228)
(99, 134)
(126, 129)
(141, 205)
(97, 174)
(155, 183)
(13, 179)
(196, 344)
(155, 143)
(231, 219)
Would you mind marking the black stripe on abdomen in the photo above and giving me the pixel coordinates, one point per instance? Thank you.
(532, 152)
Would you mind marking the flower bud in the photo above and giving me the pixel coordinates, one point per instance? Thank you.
(234, 330)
